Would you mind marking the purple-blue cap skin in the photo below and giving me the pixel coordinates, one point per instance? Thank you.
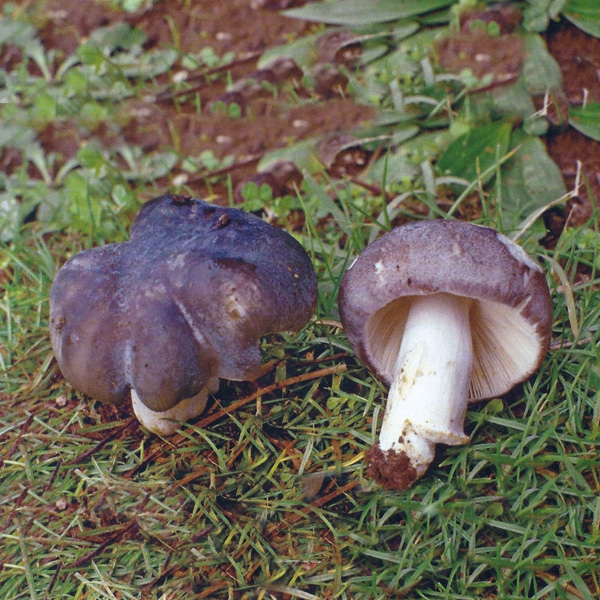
(184, 301)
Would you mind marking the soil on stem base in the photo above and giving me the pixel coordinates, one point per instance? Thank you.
(390, 469)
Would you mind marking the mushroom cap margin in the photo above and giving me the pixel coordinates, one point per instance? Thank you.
(453, 257)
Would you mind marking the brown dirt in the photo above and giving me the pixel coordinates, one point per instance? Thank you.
(579, 57)
(247, 28)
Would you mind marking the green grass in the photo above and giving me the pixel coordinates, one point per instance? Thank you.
(264, 495)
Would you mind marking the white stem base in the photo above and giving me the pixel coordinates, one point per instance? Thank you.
(168, 422)
(428, 397)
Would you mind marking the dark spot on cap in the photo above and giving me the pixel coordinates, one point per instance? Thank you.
(181, 200)
(222, 221)
(59, 323)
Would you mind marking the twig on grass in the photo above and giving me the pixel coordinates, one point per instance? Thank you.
(208, 420)
(271, 388)
(24, 429)
(566, 345)
(567, 587)
(166, 95)
(244, 162)
(132, 526)
(107, 438)
(374, 189)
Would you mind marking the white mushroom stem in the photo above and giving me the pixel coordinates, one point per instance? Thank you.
(428, 397)
(168, 422)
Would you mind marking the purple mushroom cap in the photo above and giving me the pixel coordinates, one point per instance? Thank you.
(184, 301)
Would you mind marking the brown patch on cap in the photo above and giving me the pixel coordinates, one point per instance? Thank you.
(390, 469)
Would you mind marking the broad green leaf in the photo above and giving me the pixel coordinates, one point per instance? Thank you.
(427, 146)
(303, 51)
(153, 167)
(91, 157)
(16, 135)
(146, 65)
(327, 204)
(586, 119)
(512, 100)
(15, 32)
(120, 36)
(133, 5)
(90, 55)
(476, 151)
(303, 155)
(352, 13)
(539, 12)
(10, 217)
(530, 180)
(44, 107)
(396, 167)
(541, 72)
(585, 14)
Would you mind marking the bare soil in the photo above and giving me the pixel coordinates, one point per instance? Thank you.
(579, 57)
(248, 28)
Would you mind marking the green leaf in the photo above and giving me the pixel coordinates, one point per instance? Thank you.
(586, 119)
(585, 14)
(476, 151)
(16, 135)
(10, 217)
(529, 181)
(91, 158)
(146, 65)
(352, 13)
(44, 107)
(76, 81)
(510, 101)
(91, 56)
(120, 36)
(92, 113)
(539, 12)
(303, 154)
(133, 5)
(15, 32)
(303, 51)
(396, 167)
(541, 72)
(152, 167)
(327, 205)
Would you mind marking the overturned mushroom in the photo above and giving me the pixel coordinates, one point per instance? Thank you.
(445, 313)
(180, 305)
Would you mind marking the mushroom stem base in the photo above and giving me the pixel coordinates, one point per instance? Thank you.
(390, 469)
(168, 422)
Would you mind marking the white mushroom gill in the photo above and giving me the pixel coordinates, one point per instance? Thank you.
(168, 422)
(429, 393)
(506, 348)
